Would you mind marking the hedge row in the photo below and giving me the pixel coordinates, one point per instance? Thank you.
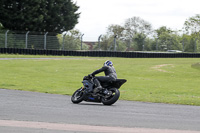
(99, 53)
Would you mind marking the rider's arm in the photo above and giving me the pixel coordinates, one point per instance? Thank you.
(100, 70)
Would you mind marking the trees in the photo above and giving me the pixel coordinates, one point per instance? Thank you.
(136, 29)
(136, 25)
(38, 15)
(164, 38)
(108, 40)
(71, 40)
(168, 39)
(117, 30)
(41, 16)
(130, 36)
(192, 25)
(137, 34)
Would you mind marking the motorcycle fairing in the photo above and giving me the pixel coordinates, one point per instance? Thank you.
(115, 84)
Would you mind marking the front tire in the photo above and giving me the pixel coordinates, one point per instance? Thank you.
(78, 96)
(113, 98)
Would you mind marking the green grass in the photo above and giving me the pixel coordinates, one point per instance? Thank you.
(162, 80)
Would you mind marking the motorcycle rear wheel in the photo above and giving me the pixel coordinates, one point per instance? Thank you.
(78, 96)
(113, 98)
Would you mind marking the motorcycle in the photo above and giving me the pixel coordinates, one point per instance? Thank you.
(108, 96)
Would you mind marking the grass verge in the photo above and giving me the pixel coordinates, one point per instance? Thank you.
(162, 80)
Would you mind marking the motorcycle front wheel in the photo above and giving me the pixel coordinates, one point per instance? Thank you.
(111, 99)
(78, 96)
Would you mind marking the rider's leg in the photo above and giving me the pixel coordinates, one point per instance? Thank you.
(98, 85)
(98, 80)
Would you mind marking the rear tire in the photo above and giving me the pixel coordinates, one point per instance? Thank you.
(113, 98)
(78, 96)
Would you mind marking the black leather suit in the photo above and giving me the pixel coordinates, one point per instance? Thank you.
(110, 75)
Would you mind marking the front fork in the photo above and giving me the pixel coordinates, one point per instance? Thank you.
(82, 89)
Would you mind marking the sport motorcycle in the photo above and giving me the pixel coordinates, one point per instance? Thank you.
(108, 95)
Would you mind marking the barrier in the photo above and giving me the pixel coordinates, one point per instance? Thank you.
(99, 53)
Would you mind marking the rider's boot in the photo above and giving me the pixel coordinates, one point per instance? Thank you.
(98, 86)
(97, 89)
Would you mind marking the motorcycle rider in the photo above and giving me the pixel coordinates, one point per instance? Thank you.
(110, 75)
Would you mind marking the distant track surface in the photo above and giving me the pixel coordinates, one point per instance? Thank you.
(22, 112)
(37, 58)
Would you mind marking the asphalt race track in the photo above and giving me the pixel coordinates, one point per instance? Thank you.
(32, 112)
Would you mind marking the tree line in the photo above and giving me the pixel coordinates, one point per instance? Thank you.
(38, 15)
(138, 35)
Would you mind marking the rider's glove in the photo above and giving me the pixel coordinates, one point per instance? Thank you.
(90, 76)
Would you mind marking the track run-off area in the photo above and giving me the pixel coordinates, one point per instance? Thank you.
(23, 111)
